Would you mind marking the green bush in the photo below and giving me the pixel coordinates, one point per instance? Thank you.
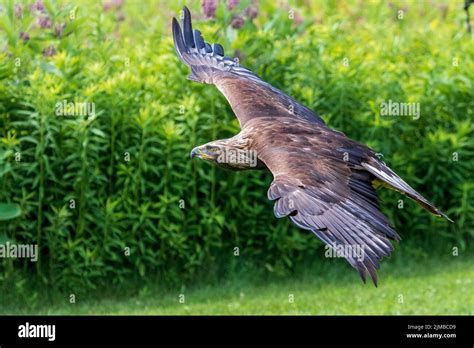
(115, 196)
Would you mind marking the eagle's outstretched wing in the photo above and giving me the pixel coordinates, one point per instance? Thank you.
(248, 95)
(322, 190)
(323, 181)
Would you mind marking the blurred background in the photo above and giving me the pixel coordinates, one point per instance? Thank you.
(126, 223)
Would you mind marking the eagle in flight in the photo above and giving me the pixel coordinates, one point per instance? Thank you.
(322, 180)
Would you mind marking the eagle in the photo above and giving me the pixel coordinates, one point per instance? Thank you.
(323, 181)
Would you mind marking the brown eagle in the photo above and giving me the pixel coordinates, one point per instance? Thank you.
(323, 181)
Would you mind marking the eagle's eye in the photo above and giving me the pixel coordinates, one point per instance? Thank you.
(214, 150)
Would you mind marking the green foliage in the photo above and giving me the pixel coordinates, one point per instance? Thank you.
(114, 196)
(9, 211)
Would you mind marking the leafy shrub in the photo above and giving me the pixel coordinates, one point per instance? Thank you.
(114, 196)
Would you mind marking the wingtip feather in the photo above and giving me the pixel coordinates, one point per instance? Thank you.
(179, 45)
(188, 29)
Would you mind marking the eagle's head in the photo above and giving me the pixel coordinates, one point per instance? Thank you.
(228, 154)
(209, 152)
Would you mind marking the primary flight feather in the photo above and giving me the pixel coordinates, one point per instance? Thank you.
(323, 181)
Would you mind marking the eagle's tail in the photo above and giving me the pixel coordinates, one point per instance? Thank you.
(392, 180)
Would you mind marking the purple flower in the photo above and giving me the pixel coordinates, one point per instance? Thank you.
(297, 18)
(113, 5)
(44, 22)
(18, 11)
(231, 4)
(251, 11)
(209, 8)
(59, 29)
(49, 51)
(37, 6)
(237, 22)
(24, 36)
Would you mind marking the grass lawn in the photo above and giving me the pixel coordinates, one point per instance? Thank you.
(406, 286)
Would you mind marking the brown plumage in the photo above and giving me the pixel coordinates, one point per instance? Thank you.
(323, 181)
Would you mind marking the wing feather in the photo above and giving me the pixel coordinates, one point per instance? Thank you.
(248, 95)
(321, 192)
(327, 187)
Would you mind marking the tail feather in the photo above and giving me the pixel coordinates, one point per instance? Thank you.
(390, 178)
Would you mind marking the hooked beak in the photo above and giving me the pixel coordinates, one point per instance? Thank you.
(195, 152)
(199, 153)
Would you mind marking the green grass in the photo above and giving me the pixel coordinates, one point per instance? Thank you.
(428, 286)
